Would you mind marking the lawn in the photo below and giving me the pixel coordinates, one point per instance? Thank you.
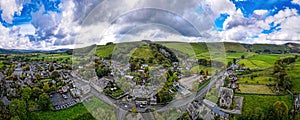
(212, 95)
(100, 110)
(254, 102)
(257, 80)
(66, 114)
(255, 89)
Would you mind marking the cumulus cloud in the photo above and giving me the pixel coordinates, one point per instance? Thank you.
(260, 12)
(85, 22)
(10, 38)
(296, 2)
(9, 8)
(221, 6)
(123, 16)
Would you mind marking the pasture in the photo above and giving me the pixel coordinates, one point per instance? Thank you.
(262, 102)
(255, 89)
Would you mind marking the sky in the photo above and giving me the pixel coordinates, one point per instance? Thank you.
(54, 24)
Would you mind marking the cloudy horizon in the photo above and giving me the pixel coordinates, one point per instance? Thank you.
(54, 24)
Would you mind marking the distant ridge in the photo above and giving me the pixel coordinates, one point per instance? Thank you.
(229, 46)
(20, 51)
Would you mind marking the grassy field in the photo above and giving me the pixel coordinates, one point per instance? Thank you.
(198, 68)
(255, 89)
(1, 64)
(67, 114)
(257, 80)
(252, 102)
(100, 110)
(293, 71)
(105, 50)
(184, 48)
(50, 57)
(96, 107)
(212, 95)
(262, 61)
(237, 47)
(271, 47)
(142, 52)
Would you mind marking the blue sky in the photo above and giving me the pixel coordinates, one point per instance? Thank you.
(51, 24)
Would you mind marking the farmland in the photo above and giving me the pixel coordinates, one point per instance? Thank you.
(255, 89)
(262, 103)
(293, 71)
(257, 80)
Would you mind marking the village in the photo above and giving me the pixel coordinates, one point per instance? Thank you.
(136, 87)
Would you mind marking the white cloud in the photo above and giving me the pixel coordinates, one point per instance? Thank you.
(290, 30)
(220, 6)
(27, 29)
(296, 2)
(9, 8)
(261, 12)
(10, 39)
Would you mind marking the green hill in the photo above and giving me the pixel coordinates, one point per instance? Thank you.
(105, 50)
(268, 48)
(234, 47)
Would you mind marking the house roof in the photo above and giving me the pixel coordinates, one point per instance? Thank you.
(219, 112)
(5, 101)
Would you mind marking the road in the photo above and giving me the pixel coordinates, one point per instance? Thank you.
(198, 95)
(148, 116)
(120, 113)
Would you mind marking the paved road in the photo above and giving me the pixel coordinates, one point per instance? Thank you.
(120, 113)
(103, 97)
(148, 116)
(198, 95)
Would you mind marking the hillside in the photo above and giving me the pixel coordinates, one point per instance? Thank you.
(267, 48)
(234, 47)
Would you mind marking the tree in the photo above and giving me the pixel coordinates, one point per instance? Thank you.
(26, 93)
(54, 75)
(278, 111)
(4, 113)
(51, 68)
(229, 63)
(201, 72)
(15, 118)
(37, 76)
(133, 110)
(36, 92)
(243, 57)
(18, 107)
(109, 43)
(234, 61)
(44, 101)
(164, 95)
(46, 87)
